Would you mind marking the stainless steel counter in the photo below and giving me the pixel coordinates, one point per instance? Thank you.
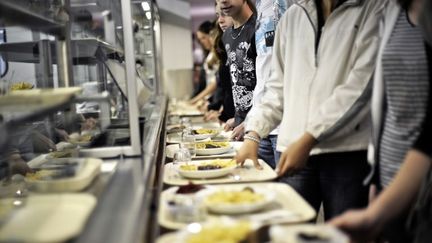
(126, 202)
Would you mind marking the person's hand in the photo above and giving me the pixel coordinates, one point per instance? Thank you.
(193, 101)
(211, 115)
(203, 107)
(238, 132)
(229, 125)
(17, 165)
(294, 158)
(360, 225)
(248, 150)
(62, 134)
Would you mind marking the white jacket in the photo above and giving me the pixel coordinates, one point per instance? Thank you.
(326, 94)
(391, 16)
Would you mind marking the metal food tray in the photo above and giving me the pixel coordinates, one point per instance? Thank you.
(247, 173)
(288, 207)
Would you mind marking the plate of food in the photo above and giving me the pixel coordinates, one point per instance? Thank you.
(65, 153)
(61, 175)
(246, 200)
(203, 133)
(201, 169)
(83, 140)
(212, 148)
(225, 230)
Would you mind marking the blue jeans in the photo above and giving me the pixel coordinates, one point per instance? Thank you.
(267, 150)
(333, 179)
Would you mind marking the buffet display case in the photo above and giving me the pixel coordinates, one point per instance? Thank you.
(81, 118)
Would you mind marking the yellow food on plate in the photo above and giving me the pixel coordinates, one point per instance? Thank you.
(21, 86)
(40, 174)
(61, 154)
(202, 131)
(210, 145)
(80, 139)
(210, 165)
(221, 234)
(234, 197)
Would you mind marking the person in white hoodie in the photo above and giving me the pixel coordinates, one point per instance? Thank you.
(319, 92)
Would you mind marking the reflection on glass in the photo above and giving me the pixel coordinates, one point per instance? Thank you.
(3, 63)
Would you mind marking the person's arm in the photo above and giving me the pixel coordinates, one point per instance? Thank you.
(424, 140)
(209, 89)
(397, 197)
(266, 114)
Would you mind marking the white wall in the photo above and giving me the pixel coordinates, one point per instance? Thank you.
(177, 61)
(176, 47)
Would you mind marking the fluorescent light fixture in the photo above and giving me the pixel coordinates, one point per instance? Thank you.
(148, 15)
(145, 6)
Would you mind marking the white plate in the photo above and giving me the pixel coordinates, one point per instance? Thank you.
(241, 208)
(213, 151)
(204, 136)
(172, 148)
(203, 174)
(224, 231)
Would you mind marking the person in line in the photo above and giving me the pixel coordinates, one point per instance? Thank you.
(319, 92)
(222, 107)
(269, 12)
(239, 42)
(211, 65)
(402, 145)
(203, 37)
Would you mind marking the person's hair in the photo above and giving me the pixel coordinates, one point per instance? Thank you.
(425, 21)
(405, 4)
(206, 27)
(252, 6)
(217, 48)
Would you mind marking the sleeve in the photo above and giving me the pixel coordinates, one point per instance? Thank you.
(424, 141)
(266, 114)
(218, 96)
(348, 106)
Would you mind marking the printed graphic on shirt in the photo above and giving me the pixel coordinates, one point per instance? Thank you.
(270, 12)
(240, 46)
(242, 70)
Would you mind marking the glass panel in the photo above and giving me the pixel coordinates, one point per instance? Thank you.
(3, 63)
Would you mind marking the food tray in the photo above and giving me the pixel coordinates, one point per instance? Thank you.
(287, 207)
(248, 173)
(89, 168)
(47, 218)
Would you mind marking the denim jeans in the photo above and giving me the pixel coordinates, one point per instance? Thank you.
(333, 179)
(267, 150)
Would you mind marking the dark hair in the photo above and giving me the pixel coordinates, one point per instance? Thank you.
(218, 46)
(252, 6)
(206, 27)
(425, 21)
(405, 4)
